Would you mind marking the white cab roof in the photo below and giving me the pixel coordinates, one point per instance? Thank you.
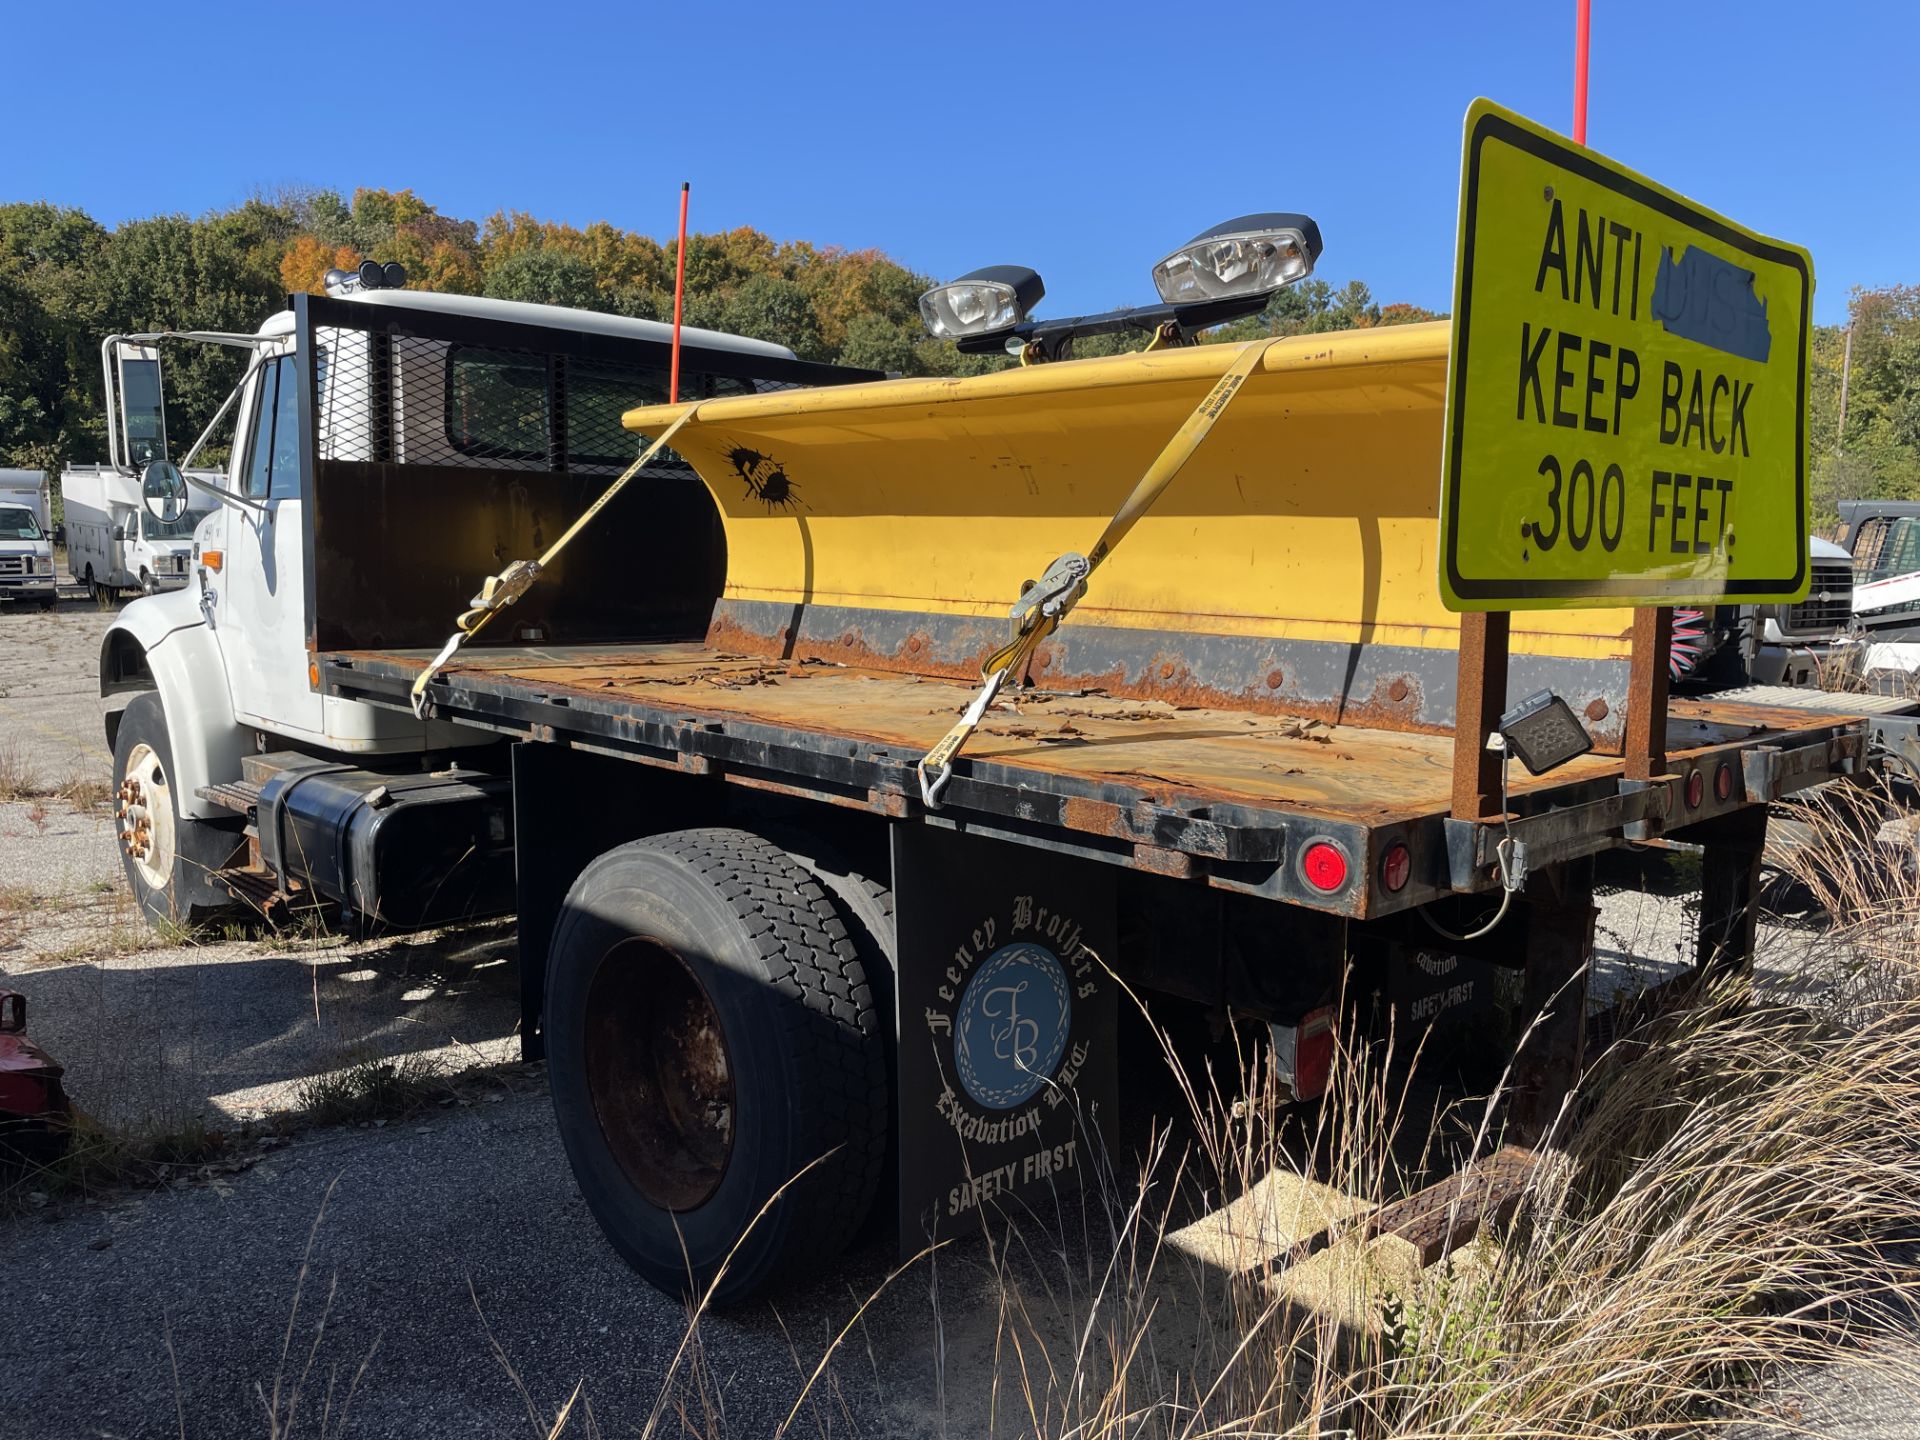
(557, 317)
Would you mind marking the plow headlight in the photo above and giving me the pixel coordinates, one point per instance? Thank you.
(982, 302)
(1252, 255)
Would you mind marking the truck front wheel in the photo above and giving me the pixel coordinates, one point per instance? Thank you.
(711, 1036)
(167, 856)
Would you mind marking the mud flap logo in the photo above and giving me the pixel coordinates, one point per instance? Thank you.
(1011, 1029)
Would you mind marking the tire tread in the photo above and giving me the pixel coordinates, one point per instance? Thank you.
(833, 1030)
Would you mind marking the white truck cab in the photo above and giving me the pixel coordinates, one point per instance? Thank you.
(220, 669)
(26, 538)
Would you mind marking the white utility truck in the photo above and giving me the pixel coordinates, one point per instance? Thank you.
(26, 538)
(113, 544)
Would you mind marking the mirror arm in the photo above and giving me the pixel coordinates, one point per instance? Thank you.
(225, 405)
(226, 496)
(205, 337)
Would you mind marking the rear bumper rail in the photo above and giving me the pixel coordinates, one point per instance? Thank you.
(1644, 810)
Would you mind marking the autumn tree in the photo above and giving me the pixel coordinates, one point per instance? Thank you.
(305, 265)
(65, 281)
(1875, 455)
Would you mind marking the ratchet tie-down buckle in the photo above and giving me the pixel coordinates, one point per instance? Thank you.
(1042, 605)
(495, 595)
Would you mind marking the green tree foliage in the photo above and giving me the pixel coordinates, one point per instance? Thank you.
(51, 315)
(545, 277)
(1877, 455)
(66, 281)
(766, 307)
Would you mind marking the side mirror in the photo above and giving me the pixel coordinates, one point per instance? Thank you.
(163, 490)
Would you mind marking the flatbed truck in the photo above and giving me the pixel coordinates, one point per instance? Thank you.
(777, 983)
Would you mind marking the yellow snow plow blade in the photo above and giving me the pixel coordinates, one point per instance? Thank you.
(1290, 565)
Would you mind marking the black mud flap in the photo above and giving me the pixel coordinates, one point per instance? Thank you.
(1007, 1023)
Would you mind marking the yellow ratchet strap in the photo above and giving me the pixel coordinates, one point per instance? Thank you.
(510, 584)
(1044, 603)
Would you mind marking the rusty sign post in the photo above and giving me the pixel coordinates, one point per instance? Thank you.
(1480, 696)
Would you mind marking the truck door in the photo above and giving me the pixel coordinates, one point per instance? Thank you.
(262, 608)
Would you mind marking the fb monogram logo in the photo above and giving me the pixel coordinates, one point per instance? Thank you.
(1017, 1041)
(1012, 1025)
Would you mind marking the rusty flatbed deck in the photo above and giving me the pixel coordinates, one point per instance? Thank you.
(1180, 790)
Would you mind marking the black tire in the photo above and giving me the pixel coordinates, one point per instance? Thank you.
(675, 1151)
(866, 908)
(168, 878)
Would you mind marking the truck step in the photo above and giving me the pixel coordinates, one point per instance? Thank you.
(237, 795)
(260, 888)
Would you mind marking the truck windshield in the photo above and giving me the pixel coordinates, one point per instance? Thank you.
(19, 523)
(180, 528)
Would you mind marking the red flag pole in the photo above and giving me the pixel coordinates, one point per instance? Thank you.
(1582, 15)
(680, 293)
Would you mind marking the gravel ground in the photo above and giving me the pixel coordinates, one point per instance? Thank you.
(444, 1247)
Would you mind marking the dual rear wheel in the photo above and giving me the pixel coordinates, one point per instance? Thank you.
(717, 1042)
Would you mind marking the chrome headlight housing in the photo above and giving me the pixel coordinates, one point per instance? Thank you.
(982, 302)
(1253, 255)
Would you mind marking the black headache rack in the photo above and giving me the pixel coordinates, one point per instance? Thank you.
(1230, 844)
(437, 445)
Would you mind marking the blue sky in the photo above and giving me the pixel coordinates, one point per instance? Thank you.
(1083, 140)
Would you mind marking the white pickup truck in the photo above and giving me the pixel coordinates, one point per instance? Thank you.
(26, 538)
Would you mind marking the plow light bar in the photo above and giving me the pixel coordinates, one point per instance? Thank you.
(1253, 255)
(982, 302)
(1221, 274)
(372, 275)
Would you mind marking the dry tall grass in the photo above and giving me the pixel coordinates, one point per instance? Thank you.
(1855, 850)
(1722, 1194)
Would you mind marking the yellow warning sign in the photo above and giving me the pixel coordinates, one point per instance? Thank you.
(1627, 388)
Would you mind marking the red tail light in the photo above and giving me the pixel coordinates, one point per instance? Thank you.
(1325, 865)
(1396, 866)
